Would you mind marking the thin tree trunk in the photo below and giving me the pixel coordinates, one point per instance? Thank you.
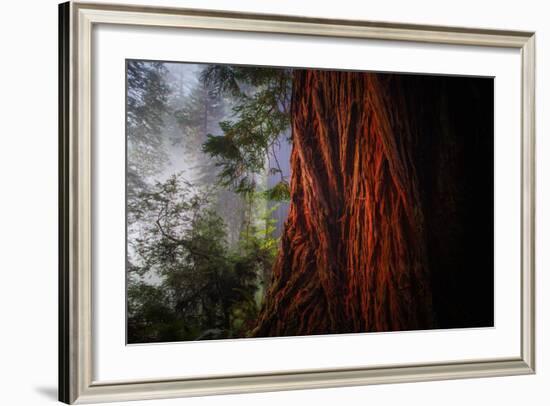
(353, 255)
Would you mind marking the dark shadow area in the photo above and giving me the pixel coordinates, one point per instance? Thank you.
(455, 162)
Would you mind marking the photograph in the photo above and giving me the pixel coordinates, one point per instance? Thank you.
(292, 201)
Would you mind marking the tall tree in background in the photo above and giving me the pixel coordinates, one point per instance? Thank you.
(199, 115)
(146, 104)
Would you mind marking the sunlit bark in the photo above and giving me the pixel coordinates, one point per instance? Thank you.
(353, 252)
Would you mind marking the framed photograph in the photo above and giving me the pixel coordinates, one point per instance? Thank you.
(263, 202)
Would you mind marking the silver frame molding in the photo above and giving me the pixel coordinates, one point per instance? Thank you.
(76, 21)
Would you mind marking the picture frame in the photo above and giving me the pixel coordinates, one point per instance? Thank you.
(76, 216)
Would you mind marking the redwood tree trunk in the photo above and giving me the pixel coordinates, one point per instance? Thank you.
(353, 251)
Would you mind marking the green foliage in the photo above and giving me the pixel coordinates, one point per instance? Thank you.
(236, 80)
(204, 289)
(260, 116)
(255, 256)
(280, 192)
(150, 316)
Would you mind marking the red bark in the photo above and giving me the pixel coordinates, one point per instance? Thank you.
(353, 255)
